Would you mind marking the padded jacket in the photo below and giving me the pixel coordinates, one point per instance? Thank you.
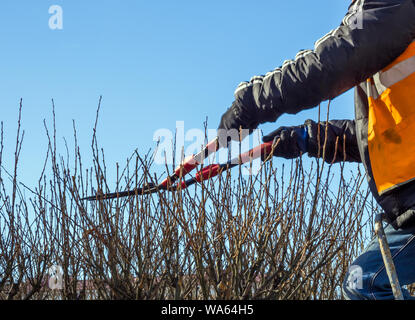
(373, 36)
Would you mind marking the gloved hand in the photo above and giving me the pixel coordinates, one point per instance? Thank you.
(239, 117)
(236, 123)
(293, 141)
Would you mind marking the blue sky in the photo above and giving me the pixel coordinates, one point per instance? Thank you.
(153, 62)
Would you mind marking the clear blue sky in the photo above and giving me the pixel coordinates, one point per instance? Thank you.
(154, 63)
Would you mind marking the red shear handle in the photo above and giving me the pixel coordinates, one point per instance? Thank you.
(192, 162)
(181, 170)
(267, 148)
(261, 150)
(206, 173)
(186, 167)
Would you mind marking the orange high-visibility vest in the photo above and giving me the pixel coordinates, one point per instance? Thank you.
(391, 123)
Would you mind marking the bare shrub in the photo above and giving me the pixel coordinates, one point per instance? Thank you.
(288, 232)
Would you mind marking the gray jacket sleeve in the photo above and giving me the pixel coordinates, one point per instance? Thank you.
(335, 140)
(371, 36)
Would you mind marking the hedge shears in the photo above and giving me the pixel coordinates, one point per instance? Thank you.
(188, 165)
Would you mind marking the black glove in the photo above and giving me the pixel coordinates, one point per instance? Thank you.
(239, 117)
(236, 123)
(293, 141)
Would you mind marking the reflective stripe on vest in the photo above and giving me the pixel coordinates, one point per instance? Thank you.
(391, 123)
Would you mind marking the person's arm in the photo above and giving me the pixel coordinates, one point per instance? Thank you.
(371, 36)
(336, 142)
(340, 143)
